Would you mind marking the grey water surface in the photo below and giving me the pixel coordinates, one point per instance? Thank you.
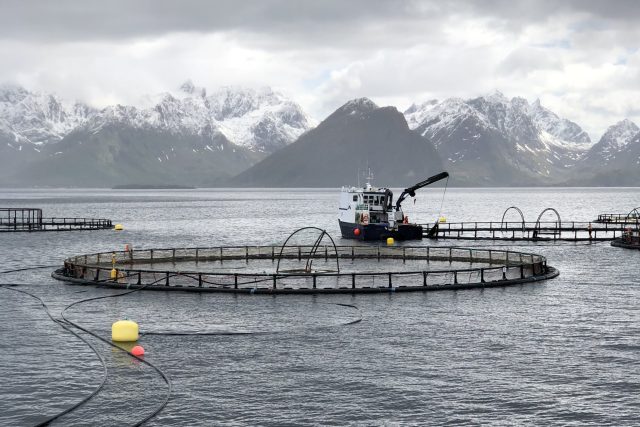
(561, 352)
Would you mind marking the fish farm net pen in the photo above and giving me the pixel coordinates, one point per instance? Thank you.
(250, 269)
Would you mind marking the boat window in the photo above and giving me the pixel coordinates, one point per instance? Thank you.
(355, 198)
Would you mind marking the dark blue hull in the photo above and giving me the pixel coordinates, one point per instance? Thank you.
(372, 232)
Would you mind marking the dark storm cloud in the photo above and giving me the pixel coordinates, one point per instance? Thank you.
(66, 20)
(578, 56)
(74, 20)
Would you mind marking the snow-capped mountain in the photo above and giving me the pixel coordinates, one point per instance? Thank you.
(357, 135)
(564, 129)
(259, 120)
(38, 118)
(614, 142)
(493, 140)
(615, 159)
(187, 136)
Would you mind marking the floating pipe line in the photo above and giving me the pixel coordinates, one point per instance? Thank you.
(66, 323)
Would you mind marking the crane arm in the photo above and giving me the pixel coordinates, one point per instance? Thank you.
(411, 191)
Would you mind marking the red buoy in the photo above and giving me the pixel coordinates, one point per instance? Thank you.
(137, 351)
(356, 232)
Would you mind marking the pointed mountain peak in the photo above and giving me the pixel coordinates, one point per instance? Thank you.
(358, 105)
(189, 88)
(620, 134)
(414, 108)
(496, 96)
(11, 92)
(625, 124)
(520, 101)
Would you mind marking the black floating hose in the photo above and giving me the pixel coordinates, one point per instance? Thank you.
(62, 325)
(29, 268)
(226, 333)
(158, 370)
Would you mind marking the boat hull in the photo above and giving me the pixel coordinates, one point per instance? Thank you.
(372, 232)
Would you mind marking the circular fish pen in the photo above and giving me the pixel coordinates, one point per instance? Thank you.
(302, 269)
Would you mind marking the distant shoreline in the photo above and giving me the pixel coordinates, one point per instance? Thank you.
(152, 187)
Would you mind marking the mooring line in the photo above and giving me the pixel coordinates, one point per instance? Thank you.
(158, 370)
(273, 332)
(62, 325)
(29, 268)
(65, 322)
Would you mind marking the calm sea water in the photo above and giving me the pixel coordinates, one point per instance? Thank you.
(565, 351)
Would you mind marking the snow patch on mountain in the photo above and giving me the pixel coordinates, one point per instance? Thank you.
(616, 142)
(261, 120)
(532, 128)
(563, 129)
(38, 118)
(416, 113)
(620, 134)
(357, 106)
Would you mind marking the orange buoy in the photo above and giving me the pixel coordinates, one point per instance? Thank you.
(356, 232)
(137, 351)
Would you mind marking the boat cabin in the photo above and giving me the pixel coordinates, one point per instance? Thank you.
(368, 205)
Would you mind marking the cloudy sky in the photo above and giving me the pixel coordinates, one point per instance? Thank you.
(581, 58)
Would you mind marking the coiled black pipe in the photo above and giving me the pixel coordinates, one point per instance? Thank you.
(163, 404)
(62, 325)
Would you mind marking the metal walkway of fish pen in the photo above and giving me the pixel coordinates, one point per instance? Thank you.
(31, 220)
(538, 231)
(632, 217)
(306, 269)
(557, 230)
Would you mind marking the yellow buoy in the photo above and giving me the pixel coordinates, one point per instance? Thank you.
(390, 241)
(443, 219)
(124, 331)
(114, 274)
(118, 227)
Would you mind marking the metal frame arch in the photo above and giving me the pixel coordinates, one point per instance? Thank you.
(543, 212)
(635, 213)
(314, 247)
(518, 210)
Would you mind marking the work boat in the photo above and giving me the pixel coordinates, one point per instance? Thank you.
(368, 213)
